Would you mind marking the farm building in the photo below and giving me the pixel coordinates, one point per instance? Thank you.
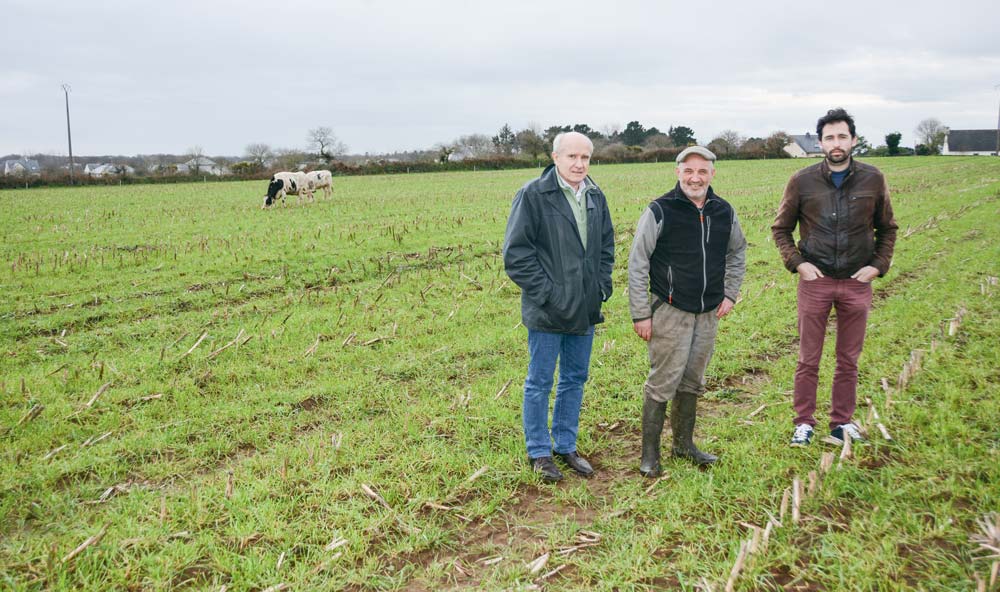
(201, 164)
(21, 166)
(970, 142)
(804, 146)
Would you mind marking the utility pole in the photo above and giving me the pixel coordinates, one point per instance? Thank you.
(69, 135)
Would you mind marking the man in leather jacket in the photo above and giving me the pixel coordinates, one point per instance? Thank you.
(846, 237)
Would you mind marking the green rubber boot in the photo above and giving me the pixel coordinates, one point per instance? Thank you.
(682, 416)
(653, 414)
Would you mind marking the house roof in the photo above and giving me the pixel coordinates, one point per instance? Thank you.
(972, 140)
(808, 143)
(202, 161)
(27, 164)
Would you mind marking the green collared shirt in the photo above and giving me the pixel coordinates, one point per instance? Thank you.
(577, 200)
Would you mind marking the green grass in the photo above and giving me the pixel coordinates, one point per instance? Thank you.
(383, 317)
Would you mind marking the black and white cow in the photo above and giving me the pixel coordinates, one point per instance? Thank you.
(286, 183)
(321, 180)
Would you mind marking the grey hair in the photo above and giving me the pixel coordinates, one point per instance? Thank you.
(558, 140)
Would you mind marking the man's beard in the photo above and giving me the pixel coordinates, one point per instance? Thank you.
(694, 192)
(844, 155)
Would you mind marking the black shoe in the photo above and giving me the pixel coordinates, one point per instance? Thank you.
(577, 463)
(544, 466)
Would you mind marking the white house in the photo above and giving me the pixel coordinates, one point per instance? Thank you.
(21, 166)
(805, 146)
(202, 165)
(970, 142)
(461, 153)
(102, 169)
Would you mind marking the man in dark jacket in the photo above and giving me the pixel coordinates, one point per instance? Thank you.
(847, 233)
(690, 253)
(559, 249)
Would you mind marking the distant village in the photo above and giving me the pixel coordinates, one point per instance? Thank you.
(525, 148)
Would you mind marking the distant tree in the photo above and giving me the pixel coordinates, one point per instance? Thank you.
(475, 145)
(659, 140)
(195, 153)
(504, 142)
(753, 147)
(531, 143)
(774, 145)
(931, 133)
(682, 135)
(727, 142)
(634, 134)
(245, 168)
(863, 147)
(553, 131)
(325, 144)
(586, 130)
(289, 159)
(444, 151)
(892, 142)
(258, 153)
(611, 131)
(615, 151)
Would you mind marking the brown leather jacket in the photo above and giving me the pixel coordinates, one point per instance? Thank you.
(841, 230)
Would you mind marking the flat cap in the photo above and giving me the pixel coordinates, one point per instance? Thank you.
(699, 150)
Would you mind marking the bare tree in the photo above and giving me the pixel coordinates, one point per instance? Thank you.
(931, 133)
(474, 145)
(195, 153)
(323, 141)
(727, 141)
(658, 141)
(258, 153)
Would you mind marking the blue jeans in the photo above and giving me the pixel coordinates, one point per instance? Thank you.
(573, 353)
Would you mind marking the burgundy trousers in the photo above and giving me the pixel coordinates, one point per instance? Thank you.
(852, 300)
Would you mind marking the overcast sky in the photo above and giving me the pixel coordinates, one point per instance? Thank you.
(390, 75)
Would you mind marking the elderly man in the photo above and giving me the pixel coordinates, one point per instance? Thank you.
(690, 253)
(559, 249)
(847, 233)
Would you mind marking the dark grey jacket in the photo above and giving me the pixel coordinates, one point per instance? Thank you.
(562, 286)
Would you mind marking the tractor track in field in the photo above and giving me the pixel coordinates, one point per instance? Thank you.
(245, 297)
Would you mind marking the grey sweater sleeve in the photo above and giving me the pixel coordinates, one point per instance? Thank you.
(736, 260)
(646, 234)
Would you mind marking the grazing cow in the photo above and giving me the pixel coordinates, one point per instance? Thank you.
(321, 180)
(285, 183)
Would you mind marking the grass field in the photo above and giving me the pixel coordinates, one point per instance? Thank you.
(327, 396)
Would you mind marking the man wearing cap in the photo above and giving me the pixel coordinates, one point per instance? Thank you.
(684, 274)
(559, 248)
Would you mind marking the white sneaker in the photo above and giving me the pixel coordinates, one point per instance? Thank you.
(802, 436)
(850, 430)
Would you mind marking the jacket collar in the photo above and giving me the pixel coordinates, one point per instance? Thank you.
(548, 181)
(824, 169)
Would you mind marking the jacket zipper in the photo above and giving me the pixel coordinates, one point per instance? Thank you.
(670, 285)
(704, 270)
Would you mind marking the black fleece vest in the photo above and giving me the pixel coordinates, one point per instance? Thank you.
(688, 266)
